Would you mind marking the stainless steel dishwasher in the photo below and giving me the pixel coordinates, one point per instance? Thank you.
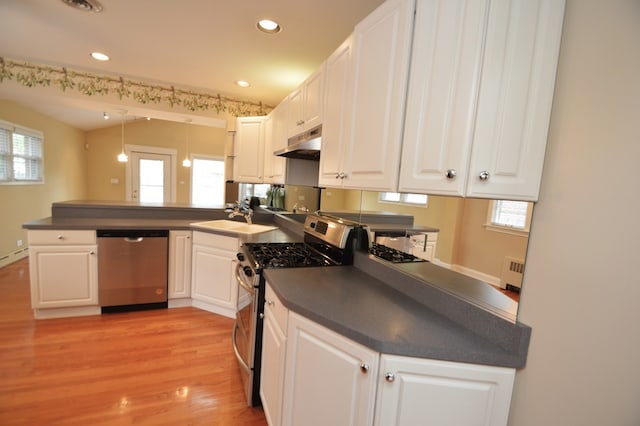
(132, 269)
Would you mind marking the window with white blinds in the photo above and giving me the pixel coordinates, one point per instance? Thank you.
(20, 155)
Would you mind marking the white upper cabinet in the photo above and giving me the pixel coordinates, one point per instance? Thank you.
(516, 93)
(306, 104)
(248, 162)
(443, 86)
(274, 139)
(479, 99)
(336, 96)
(378, 84)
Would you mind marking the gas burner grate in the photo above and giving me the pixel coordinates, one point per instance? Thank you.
(285, 255)
(393, 255)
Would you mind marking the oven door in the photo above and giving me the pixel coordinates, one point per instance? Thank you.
(244, 331)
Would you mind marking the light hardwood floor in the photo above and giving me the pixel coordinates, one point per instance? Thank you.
(161, 367)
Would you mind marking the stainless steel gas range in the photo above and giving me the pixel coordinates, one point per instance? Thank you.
(328, 241)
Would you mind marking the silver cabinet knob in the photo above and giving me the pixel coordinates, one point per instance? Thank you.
(364, 368)
(389, 377)
(261, 315)
(450, 174)
(60, 237)
(337, 175)
(343, 175)
(92, 252)
(484, 175)
(270, 302)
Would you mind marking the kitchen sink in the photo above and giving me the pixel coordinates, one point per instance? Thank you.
(233, 226)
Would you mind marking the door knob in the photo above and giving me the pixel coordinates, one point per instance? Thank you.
(450, 174)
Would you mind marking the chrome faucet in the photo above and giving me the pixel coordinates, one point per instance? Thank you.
(238, 210)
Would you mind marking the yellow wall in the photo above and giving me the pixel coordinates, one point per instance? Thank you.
(105, 145)
(65, 172)
(480, 249)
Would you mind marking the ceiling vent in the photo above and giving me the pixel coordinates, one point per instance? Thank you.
(85, 5)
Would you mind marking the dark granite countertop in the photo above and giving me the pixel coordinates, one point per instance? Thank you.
(375, 313)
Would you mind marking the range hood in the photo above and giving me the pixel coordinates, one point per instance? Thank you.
(305, 146)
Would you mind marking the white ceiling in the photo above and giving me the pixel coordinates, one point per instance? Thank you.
(203, 45)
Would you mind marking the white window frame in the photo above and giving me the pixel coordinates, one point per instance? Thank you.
(403, 199)
(491, 225)
(193, 157)
(9, 156)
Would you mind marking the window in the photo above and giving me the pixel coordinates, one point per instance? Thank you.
(248, 190)
(20, 155)
(207, 181)
(409, 199)
(509, 216)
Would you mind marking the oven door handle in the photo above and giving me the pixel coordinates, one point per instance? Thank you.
(237, 352)
(243, 284)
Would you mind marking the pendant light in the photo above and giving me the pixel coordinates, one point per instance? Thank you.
(186, 162)
(123, 157)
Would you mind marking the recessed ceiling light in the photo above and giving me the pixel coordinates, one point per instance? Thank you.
(99, 56)
(242, 83)
(85, 5)
(269, 26)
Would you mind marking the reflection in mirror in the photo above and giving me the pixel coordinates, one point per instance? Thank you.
(468, 242)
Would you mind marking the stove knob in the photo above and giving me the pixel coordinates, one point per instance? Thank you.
(240, 256)
(247, 271)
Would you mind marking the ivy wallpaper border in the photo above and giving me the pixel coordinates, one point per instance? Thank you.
(33, 75)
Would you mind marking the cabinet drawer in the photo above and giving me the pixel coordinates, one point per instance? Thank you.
(215, 240)
(61, 236)
(274, 307)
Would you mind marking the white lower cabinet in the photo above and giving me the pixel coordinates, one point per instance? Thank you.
(329, 379)
(63, 268)
(314, 376)
(213, 284)
(274, 339)
(426, 392)
(179, 264)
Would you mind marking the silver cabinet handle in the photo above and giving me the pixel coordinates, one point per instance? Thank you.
(390, 377)
(364, 368)
(450, 174)
(484, 175)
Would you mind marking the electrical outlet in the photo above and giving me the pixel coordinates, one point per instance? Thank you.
(19, 243)
(301, 197)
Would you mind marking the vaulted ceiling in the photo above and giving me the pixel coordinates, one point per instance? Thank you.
(201, 46)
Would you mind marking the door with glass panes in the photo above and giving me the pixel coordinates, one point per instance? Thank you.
(150, 178)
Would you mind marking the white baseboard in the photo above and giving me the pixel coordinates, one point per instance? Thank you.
(210, 307)
(14, 256)
(490, 279)
(180, 303)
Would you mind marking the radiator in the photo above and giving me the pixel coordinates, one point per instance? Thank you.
(512, 270)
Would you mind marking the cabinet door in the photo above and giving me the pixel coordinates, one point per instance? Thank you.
(329, 379)
(313, 105)
(248, 163)
(275, 166)
(443, 88)
(213, 279)
(273, 358)
(335, 108)
(294, 114)
(428, 392)
(63, 276)
(179, 264)
(516, 93)
(379, 74)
